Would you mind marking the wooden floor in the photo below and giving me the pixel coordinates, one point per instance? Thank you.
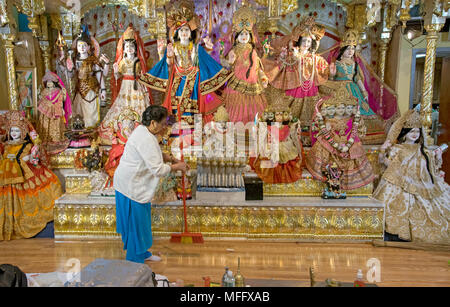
(259, 260)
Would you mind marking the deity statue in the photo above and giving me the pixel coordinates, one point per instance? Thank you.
(186, 73)
(55, 110)
(280, 160)
(333, 182)
(298, 70)
(416, 197)
(90, 76)
(347, 70)
(335, 139)
(243, 96)
(28, 189)
(127, 92)
(127, 121)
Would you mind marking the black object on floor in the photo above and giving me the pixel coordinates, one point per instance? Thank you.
(392, 237)
(253, 188)
(12, 276)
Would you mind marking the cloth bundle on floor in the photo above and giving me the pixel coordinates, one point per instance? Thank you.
(113, 273)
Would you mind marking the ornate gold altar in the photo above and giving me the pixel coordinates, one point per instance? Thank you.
(291, 211)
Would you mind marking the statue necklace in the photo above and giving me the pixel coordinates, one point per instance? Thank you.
(307, 84)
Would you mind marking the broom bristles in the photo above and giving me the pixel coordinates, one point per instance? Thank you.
(186, 238)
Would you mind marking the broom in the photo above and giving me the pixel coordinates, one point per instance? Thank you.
(186, 236)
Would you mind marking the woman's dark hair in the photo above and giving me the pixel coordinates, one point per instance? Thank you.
(251, 52)
(136, 61)
(176, 37)
(341, 52)
(401, 138)
(156, 113)
(313, 47)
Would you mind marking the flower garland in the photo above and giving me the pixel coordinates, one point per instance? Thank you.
(328, 136)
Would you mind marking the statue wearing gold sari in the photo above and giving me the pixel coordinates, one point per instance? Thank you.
(417, 198)
(28, 189)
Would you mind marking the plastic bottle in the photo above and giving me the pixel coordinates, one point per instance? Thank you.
(359, 281)
(225, 277)
(230, 280)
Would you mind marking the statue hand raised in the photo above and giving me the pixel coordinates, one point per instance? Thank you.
(208, 42)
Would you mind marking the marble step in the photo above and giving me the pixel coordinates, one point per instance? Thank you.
(80, 217)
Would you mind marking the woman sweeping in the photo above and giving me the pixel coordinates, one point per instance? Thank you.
(135, 182)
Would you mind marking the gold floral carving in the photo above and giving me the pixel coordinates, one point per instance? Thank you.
(308, 223)
(308, 187)
(78, 185)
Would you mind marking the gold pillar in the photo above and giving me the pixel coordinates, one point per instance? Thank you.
(428, 79)
(44, 43)
(8, 35)
(383, 51)
(8, 40)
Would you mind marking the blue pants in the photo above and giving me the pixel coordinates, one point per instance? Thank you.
(133, 222)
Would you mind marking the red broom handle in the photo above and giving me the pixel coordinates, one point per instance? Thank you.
(182, 174)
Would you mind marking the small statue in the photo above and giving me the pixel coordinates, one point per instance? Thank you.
(126, 122)
(187, 188)
(79, 136)
(93, 160)
(279, 161)
(333, 183)
(55, 110)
